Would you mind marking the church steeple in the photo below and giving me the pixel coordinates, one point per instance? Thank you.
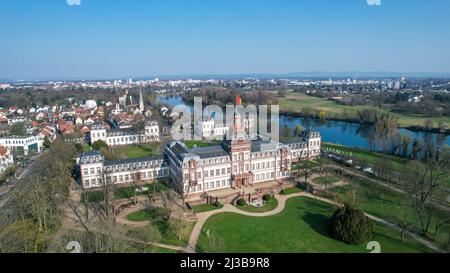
(141, 102)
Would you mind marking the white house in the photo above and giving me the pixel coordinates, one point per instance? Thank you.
(117, 137)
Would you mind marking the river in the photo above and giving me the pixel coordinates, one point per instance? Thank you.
(338, 132)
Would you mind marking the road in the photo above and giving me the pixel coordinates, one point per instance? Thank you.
(5, 190)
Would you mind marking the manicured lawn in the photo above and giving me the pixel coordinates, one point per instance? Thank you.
(128, 192)
(329, 179)
(205, 207)
(292, 190)
(199, 143)
(136, 151)
(271, 205)
(301, 227)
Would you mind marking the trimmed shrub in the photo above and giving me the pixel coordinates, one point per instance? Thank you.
(350, 226)
(241, 202)
(217, 204)
(267, 197)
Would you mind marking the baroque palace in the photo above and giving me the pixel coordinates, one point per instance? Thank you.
(235, 163)
(240, 160)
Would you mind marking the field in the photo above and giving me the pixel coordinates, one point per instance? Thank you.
(295, 102)
(300, 228)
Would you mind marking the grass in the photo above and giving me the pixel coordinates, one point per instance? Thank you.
(368, 157)
(170, 238)
(268, 206)
(301, 227)
(388, 205)
(292, 190)
(198, 143)
(296, 102)
(328, 180)
(128, 192)
(154, 249)
(307, 163)
(136, 151)
(92, 197)
(140, 216)
(205, 207)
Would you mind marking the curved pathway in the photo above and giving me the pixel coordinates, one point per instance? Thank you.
(203, 217)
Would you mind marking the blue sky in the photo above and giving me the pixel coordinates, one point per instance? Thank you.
(48, 39)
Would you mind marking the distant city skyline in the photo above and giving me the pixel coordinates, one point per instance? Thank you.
(101, 39)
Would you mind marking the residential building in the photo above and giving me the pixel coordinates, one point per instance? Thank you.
(22, 145)
(117, 137)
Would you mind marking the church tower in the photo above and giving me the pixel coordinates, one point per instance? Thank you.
(141, 102)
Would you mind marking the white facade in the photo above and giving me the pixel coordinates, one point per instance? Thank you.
(95, 172)
(233, 164)
(25, 144)
(91, 104)
(208, 129)
(117, 137)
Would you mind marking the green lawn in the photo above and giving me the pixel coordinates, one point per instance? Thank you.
(301, 227)
(204, 208)
(292, 190)
(329, 179)
(296, 102)
(199, 143)
(130, 191)
(136, 151)
(388, 205)
(140, 216)
(271, 205)
(368, 157)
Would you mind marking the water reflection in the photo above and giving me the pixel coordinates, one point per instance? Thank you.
(339, 132)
